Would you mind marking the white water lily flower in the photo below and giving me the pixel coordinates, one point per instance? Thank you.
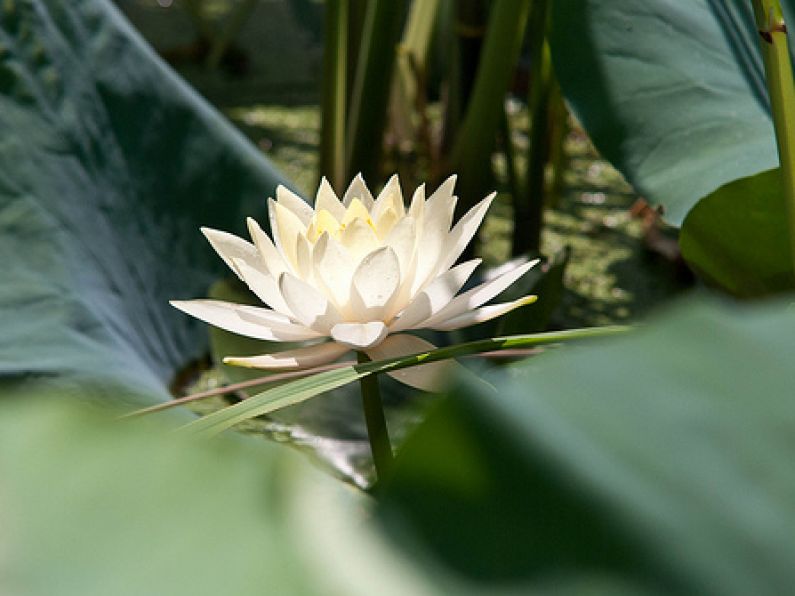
(358, 271)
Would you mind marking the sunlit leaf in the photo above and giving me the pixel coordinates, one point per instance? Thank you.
(110, 165)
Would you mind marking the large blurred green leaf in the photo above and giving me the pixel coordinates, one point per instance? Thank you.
(93, 507)
(109, 165)
(656, 462)
(737, 237)
(672, 93)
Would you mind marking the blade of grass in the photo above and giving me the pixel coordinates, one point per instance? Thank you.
(305, 388)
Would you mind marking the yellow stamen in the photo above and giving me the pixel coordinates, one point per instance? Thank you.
(357, 210)
(323, 222)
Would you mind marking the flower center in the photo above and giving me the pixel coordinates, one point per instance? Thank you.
(323, 221)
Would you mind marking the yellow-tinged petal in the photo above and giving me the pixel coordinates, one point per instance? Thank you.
(327, 200)
(357, 210)
(360, 239)
(323, 222)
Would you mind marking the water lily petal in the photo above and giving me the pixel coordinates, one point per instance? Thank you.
(391, 197)
(271, 257)
(295, 204)
(307, 357)
(327, 200)
(483, 314)
(478, 295)
(418, 203)
(402, 240)
(462, 233)
(359, 239)
(377, 277)
(264, 287)
(434, 297)
(308, 304)
(358, 190)
(428, 377)
(303, 258)
(251, 321)
(359, 336)
(333, 268)
(430, 241)
(444, 192)
(286, 229)
(230, 247)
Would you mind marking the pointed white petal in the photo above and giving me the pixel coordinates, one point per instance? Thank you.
(478, 295)
(295, 204)
(434, 297)
(307, 357)
(428, 377)
(377, 277)
(444, 193)
(327, 200)
(251, 321)
(271, 257)
(307, 304)
(264, 287)
(391, 197)
(462, 233)
(286, 228)
(483, 314)
(418, 203)
(230, 247)
(402, 239)
(303, 258)
(359, 336)
(358, 190)
(333, 268)
(430, 242)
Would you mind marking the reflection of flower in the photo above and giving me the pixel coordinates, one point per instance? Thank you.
(358, 271)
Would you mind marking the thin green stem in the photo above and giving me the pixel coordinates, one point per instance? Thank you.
(529, 209)
(335, 76)
(377, 431)
(778, 70)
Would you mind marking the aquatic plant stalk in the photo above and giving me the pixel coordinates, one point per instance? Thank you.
(471, 155)
(529, 208)
(778, 70)
(377, 431)
(335, 64)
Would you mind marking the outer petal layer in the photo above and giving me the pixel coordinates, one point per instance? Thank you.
(483, 314)
(428, 377)
(307, 357)
(251, 321)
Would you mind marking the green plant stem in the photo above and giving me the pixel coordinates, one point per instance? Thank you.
(370, 95)
(377, 431)
(474, 143)
(335, 63)
(778, 70)
(529, 209)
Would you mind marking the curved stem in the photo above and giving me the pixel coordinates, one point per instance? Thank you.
(377, 430)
